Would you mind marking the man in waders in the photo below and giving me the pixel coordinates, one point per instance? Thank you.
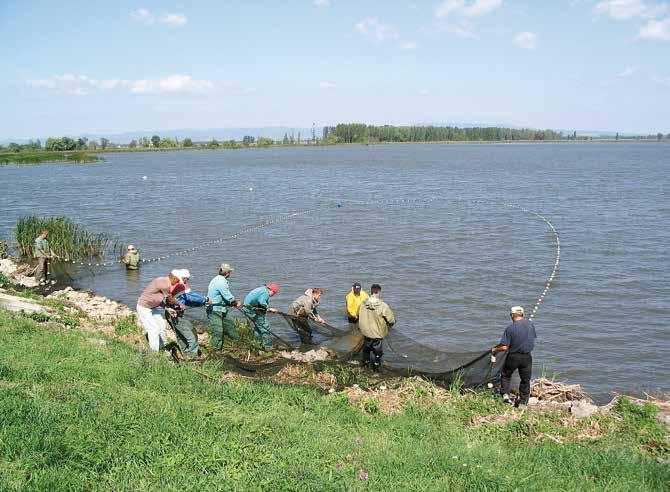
(256, 304)
(374, 319)
(221, 298)
(304, 309)
(42, 252)
(132, 258)
(187, 339)
(519, 341)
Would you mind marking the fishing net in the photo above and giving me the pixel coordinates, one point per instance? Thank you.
(402, 355)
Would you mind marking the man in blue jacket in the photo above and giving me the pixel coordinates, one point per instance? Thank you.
(519, 341)
(222, 298)
(256, 304)
(187, 339)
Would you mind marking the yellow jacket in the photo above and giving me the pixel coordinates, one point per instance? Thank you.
(354, 302)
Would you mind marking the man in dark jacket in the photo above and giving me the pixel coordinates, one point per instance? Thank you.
(519, 341)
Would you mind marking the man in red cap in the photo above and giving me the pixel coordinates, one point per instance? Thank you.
(256, 304)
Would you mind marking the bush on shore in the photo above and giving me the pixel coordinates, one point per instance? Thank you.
(66, 238)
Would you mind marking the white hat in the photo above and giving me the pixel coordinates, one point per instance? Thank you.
(130, 247)
(517, 310)
(181, 274)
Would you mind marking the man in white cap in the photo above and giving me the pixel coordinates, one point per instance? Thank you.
(221, 299)
(519, 341)
(156, 297)
(187, 338)
(132, 258)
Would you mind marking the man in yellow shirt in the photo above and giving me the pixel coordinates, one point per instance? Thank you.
(354, 299)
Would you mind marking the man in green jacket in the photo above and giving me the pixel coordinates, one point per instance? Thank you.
(217, 314)
(42, 252)
(132, 258)
(374, 319)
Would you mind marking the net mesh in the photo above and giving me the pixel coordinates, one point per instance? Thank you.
(402, 354)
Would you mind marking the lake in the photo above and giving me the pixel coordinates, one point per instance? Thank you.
(430, 223)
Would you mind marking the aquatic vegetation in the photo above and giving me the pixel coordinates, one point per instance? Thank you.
(66, 238)
(44, 157)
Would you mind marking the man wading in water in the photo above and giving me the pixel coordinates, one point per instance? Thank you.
(519, 340)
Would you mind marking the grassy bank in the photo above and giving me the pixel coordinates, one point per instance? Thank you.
(44, 157)
(82, 412)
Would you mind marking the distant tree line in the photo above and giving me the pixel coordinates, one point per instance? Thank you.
(342, 133)
(360, 133)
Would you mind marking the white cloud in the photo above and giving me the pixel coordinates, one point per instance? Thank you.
(628, 72)
(321, 3)
(171, 84)
(174, 20)
(376, 29)
(629, 9)
(476, 8)
(655, 30)
(424, 92)
(327, 85)
(143, 16)
(82, 85)
(408, 45)
(526, 40)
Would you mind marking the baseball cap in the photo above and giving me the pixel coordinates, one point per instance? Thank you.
(273, 287)
(356, 286)
(225, 267)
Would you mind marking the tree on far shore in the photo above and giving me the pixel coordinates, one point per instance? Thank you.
(187, 142)
(155, 141)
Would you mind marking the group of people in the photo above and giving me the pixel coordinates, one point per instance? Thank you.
(164, 300)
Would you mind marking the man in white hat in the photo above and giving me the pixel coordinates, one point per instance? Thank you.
(221, 298)
(132, 258)
(187, 338)
(518, 340)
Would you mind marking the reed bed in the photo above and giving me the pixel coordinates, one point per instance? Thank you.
(66, 238)
(43, 157)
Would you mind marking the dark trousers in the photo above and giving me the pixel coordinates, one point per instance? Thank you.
(372, 352)
(524, 364)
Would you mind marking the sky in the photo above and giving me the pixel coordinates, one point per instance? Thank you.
(80, 67)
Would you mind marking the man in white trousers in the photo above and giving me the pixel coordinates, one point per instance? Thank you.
(150, 307)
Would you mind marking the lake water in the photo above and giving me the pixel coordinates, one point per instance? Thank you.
(450, 266)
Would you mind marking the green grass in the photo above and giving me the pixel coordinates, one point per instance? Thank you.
(44, 157)
(66, 238)
(78, 415)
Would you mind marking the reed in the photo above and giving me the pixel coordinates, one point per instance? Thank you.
(66, 238)
(43, 157)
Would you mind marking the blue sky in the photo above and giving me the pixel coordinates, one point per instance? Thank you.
(105, 67)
